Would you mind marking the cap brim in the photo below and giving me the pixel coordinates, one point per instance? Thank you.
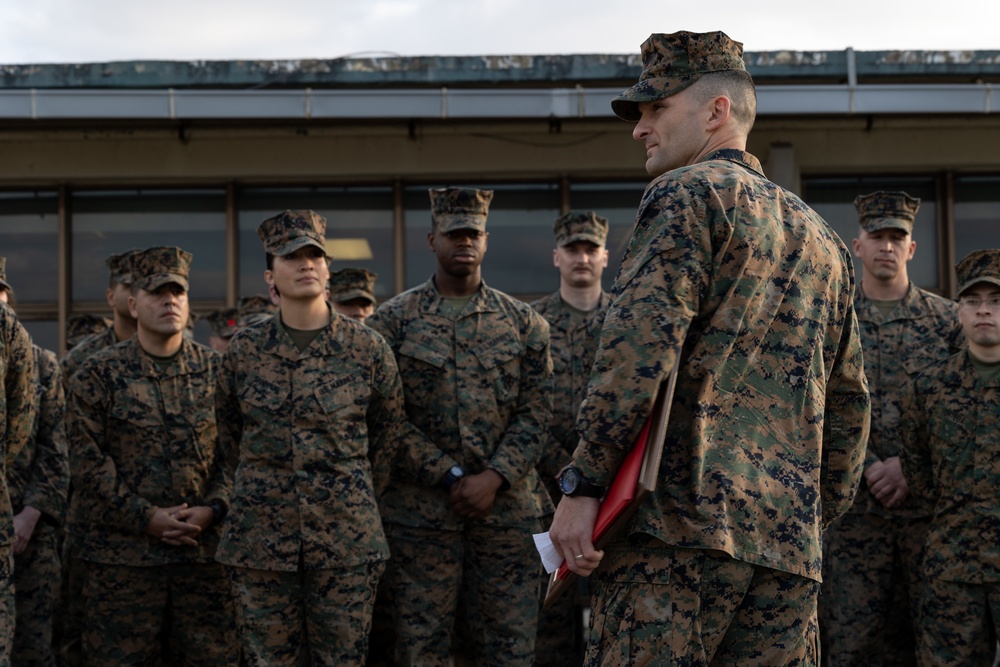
(158, 280)
(888, 223)
(589, 238)
(341, 297)
(299, 242)
(461, 223)
(975, 281)
(626, 105)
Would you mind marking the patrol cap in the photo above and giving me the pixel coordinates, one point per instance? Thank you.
(459, 208)
(981, 266)
(155, 267)
(222, 322)
(351, 283)
(886, 210)
(120, 267)
(79, 327)
(253, 309)
(288, 231)
(3, 274)
(581, 226)
(671, 63)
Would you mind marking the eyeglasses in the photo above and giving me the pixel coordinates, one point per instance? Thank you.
(974, 302)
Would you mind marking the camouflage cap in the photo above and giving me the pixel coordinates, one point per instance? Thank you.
(155, 267)
(79, 327)
(981, 266)
(253, 309)
(222, 322)
(3, 274)
(459, 208)
(581, 226)
(886, 210)
(120, 267)
(347, 284)
(288, 231)
(671, 63)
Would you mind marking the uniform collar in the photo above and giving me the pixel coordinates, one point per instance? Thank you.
(483, 301)
(736, 155)
(327, 343)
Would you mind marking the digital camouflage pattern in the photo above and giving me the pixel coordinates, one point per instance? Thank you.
(572, 347)
(309, 438)
(653, 602)
(126, 614)
(671, 63)
(290, 230)
(478, 387)
(222, 322)
(40, 478)
(79, 327)
(351, 283)
(767, 428)
(143, 438)
(120, 267)
(154, 267)
(886, 210)
(254, 309)
(459, 208)
(340, 606)
(478, 390)
(580, 226)
(981, 266)
(873, 555)
(83, 350)
(951, 456)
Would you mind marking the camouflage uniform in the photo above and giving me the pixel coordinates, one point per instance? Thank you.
(40, 478)
(17, 412)
(478, 390)
(351, 283)
(81, 326)
(950, 434)
(750, 292)
(572, 346)
(873, 553)
(308, 437)
(142, 438)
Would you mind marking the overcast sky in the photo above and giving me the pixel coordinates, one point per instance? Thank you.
(75, 31)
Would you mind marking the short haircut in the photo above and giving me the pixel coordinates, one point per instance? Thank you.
(738, 86)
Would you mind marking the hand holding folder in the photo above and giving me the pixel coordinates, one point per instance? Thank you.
(634, 481)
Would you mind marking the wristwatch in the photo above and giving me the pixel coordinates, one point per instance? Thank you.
(454, 474)
(218, 510)
(572, 483)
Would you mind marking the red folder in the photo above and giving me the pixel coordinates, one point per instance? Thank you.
(636, 478)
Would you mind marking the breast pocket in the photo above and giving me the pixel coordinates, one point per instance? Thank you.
(263, 402)
(501, 362)
(343, 402)
(421, 368)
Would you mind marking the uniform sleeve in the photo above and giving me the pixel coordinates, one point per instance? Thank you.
(19, 385)
(521, 446)
(48, 484)
(106, 499)
(386, 418)
(914, 438)
(846, 421)
(416, 458)
(228, 417)
(656, 295)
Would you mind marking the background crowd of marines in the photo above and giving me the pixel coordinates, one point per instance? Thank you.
(334, 481)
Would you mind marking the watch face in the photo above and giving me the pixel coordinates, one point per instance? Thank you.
(456, 471)
(569, 480)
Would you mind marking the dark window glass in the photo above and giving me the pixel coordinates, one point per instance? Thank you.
(833, 199)
(105, 223)
(29, 223)
(519, 256)
(44, 333)
(358, 229)
(977, 214)
(618, 202)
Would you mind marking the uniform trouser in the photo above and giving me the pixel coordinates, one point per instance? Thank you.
(494, 569)
(124, 609)
(36, 586)
(654, 604)
(867, 560)
(558, 641)
(308, 617)
(6, 603)
(69, 620)
(959, 623)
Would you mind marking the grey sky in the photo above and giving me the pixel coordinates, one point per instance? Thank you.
(67, 31)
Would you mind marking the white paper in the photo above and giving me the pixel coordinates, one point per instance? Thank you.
(551, 559)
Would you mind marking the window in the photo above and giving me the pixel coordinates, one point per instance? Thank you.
(977, 214)
(29, 224)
